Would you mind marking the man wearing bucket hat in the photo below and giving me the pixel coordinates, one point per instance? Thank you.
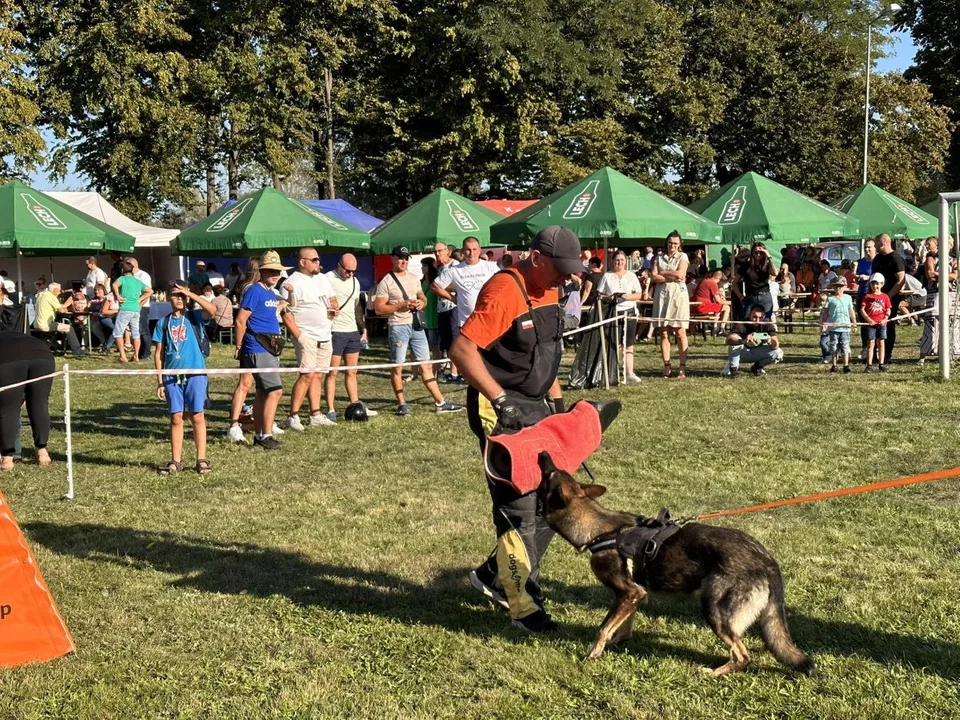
(509, 352)
(258, 346)
(400, 297)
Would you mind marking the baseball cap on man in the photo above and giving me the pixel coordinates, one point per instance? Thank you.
(270, 260)
(560, 245)
(878, 278)
(400, 251)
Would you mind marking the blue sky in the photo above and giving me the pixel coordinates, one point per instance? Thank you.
(899, 56)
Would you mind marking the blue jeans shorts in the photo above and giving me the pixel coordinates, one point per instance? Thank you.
(876, 332)
(840, 342)
(402, 336)
(185, 393)
(127, 320)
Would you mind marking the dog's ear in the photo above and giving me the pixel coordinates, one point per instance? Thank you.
(593, 491)
(546, 463)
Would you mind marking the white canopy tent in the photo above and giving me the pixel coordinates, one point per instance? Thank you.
(152, 244)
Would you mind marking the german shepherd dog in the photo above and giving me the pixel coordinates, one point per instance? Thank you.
(738, 579)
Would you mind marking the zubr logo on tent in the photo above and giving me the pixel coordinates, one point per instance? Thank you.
(461, 218)
(229, 216)
(319, 216)
(733, 210)
(902, 207)
(580, 206)
(43, 215)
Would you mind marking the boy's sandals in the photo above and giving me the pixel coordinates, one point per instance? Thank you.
(171, 467)
(667, 370)
(204, 466)
(682, 374)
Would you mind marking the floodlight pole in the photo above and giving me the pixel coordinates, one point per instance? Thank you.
(944, 284)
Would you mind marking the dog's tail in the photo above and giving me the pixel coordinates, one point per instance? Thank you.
(776, 634)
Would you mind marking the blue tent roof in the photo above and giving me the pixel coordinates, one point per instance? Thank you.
(340, 209)
(343, 210)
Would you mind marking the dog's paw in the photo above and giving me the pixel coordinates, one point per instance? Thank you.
(593, 654)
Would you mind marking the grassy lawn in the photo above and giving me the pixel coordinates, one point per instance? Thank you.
(329, 579)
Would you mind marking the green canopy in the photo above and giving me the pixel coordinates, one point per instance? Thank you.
(753, 208)
(953, 209)
(881, 212)
(267, 220)
(607, 204)
(442, 216)
(36, 224)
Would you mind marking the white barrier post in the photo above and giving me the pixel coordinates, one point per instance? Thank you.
(66, 422)
(625, 349)
(945, 340)
(603, 353)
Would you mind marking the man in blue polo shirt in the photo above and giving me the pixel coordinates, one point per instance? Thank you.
(178, 345)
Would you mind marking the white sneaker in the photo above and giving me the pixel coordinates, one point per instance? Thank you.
(236, 434)
(632, 380)
(293, 423)
(320, 419)
(726, 370)
(277, 430)
(371, 413)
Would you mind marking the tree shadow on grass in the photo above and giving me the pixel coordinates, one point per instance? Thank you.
(240, 568)
(125, 420)
(812, 634)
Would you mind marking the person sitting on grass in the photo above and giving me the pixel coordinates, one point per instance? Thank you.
(753, 340)
(179, 344)
(836, 319)
(875, 310)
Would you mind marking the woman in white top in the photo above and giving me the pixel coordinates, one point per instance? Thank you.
(671, 302)
(625, 286)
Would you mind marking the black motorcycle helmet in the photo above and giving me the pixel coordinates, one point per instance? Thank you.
(356, 411)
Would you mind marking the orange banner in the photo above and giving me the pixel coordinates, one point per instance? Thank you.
(31, 629)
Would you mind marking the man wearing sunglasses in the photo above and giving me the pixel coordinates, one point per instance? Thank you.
(347, 328)
(312, 305)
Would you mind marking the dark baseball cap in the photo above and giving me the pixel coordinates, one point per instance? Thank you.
(560, 245)
(400, 251)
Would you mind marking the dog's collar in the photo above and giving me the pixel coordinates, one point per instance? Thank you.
(607, 541)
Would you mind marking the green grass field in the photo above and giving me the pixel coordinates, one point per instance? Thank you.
(329, 579)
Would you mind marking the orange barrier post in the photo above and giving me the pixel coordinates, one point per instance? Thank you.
(31, 629)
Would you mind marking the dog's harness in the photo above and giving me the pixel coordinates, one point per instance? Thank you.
(641, 542)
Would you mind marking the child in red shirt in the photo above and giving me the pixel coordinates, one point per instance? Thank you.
(875, 310)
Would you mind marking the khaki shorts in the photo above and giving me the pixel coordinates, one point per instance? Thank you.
(312, 354)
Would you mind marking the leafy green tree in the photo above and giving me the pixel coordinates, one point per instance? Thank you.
(21, 146)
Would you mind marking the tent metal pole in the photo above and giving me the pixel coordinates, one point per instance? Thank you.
(945, 329)
(21, 292)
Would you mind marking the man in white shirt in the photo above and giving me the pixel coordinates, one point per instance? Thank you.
(447, 325)
(145, 334)
(465, 279)
(215, 278)
(347, 326)
(310, 321)
(95, 276)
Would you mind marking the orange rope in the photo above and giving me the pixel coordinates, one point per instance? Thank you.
(911, 480)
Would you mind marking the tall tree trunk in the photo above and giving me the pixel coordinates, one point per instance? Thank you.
(328, 93)
(233, 169)
(318, 162)
(211, 187)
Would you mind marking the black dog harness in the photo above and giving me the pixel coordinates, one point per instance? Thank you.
(639, 543)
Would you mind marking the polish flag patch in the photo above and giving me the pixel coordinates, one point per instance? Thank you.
(526, 324)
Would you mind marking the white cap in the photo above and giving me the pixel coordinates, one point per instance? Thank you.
(878, 278)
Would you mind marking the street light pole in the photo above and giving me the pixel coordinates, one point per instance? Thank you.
(891, 10)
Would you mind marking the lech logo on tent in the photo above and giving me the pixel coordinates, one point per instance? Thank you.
(582, 203)
(319, 215)
(733, 209)
(461, 218)
(229, 216)
(905, 210)
(43, 215)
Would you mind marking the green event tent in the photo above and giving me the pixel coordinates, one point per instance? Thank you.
(442, 216)
(607, 205)
(754, 208)
(37, 225)
(953, 209)
(267, 220)
(881, 212)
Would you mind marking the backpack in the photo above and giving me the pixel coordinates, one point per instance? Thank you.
(201, 334)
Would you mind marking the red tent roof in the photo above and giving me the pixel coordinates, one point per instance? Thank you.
(506, 207)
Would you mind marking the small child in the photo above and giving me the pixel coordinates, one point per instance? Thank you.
(835, 320)
(875, 310)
